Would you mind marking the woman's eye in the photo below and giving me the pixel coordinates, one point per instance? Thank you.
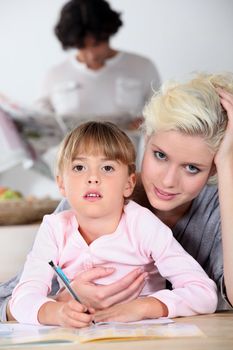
(78, 168)
(108, 168)
(192, 169)
(159, 155)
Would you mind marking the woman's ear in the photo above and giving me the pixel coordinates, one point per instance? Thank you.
(213, 170)
(60, 183)
(131, 182)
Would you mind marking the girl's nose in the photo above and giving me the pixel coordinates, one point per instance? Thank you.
(90, 181)
(93, 177)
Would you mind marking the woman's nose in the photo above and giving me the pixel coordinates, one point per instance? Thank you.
(170, 177)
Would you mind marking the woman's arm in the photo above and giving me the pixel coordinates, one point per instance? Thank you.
(102, 296)
(135, 310)
(224, 165)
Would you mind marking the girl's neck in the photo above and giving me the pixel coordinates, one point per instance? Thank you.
(93, 228)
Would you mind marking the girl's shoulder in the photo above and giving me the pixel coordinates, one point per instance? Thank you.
(59, 223)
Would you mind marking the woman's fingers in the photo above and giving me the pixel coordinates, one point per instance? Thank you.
(131, 282)
(129, 293)
(225, 94)
(95, 273)
(226, 99)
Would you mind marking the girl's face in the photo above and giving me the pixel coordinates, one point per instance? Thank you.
(96, 186)
(175, 168)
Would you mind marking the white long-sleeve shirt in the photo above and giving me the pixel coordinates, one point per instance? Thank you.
(140, 240)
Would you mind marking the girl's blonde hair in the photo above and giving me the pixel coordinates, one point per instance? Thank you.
(192, 108)
(96, 138)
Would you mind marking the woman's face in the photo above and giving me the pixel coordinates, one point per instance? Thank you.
(175, 168)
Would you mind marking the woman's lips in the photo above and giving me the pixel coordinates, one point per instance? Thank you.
(164, 195)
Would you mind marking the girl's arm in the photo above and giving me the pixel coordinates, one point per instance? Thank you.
(193, 291)
(224, 165)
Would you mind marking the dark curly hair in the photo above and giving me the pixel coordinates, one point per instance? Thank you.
(80, 18)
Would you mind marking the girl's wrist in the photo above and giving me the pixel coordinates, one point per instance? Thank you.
(48, 313)
(154, 308)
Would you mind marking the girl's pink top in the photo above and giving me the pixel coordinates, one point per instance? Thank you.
(140, 240)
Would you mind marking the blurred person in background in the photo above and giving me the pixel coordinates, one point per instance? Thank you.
(96, 81)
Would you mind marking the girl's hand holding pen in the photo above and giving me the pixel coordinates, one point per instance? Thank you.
(70, 313)
(66, 314)
(74, 314)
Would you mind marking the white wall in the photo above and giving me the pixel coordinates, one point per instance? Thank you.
(180, 36)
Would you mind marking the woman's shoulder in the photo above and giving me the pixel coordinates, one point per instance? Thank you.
(207, 199)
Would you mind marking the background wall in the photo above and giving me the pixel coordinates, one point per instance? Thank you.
(180, 36)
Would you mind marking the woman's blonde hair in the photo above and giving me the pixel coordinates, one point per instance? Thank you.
(96, 138)
(192, 108)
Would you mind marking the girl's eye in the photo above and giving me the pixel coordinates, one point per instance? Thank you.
(78, 168)
(108, 168)
(159, 155)
(192, 169)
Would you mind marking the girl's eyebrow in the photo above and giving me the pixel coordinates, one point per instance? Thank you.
(102, 159)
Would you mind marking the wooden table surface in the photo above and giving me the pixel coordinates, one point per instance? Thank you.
(217, 329)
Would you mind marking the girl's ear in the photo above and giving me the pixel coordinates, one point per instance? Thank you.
(129, 187)
(60, 183)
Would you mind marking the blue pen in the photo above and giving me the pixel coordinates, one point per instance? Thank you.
(65, 280)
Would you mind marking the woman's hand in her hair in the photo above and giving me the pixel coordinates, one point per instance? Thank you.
(225, 151)
(224, 164)
(102, 296)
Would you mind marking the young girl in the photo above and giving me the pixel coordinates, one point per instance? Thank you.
(96, 173)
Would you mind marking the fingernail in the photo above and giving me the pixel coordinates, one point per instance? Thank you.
(140, 270)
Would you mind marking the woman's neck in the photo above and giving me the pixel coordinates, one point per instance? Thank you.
(170, 218)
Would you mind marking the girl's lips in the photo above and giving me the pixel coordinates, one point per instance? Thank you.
(164, 195)
(92, 196)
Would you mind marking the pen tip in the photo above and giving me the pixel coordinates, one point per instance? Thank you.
(51, 263)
